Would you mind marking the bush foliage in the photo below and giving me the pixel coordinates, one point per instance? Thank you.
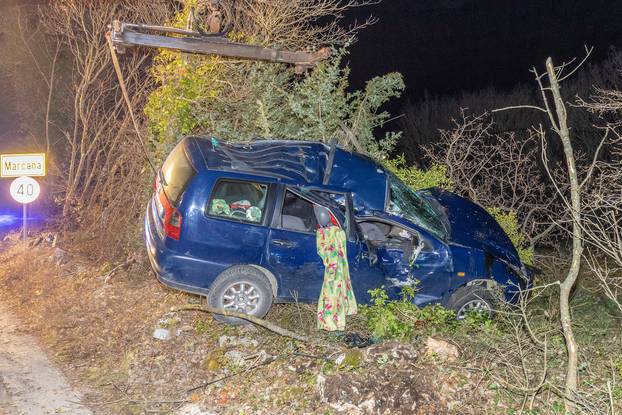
(244, 100)
(403, 320)
(435, 176)
(509, 223)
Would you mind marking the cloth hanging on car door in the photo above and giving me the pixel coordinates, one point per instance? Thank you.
(337, 297)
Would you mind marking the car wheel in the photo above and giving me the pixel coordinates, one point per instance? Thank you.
(241, 289)
(471, 298)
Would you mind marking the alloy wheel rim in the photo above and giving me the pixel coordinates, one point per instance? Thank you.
(477, 305)
(242, 297)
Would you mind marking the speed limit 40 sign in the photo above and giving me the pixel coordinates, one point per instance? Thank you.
(25, 189)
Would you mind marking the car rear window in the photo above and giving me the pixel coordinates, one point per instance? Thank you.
(177, 173)
(237, 200)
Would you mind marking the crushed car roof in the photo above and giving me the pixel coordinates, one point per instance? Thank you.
(296, 162)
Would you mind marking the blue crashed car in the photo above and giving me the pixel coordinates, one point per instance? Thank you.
(235, 222)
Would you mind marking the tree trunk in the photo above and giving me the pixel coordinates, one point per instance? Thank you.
(577, 245)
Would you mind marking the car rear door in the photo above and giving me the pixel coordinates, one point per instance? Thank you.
(227, 224)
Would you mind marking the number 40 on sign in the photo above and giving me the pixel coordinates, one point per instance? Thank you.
(25, 189)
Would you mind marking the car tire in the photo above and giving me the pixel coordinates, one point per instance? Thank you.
(471, 297)
(243, 289)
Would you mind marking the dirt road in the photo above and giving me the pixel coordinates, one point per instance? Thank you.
(29, 382)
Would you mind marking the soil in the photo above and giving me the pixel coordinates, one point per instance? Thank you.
(29, 382)
(98, 327)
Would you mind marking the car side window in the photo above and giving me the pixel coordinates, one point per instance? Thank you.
(243, 201)
(297, 214)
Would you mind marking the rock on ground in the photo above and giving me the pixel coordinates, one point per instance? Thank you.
(445, 351)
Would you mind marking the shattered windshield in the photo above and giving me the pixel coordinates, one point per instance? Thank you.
(406, 202)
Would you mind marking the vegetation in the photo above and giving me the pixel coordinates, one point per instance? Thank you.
(509, 223)
(235, 100)
(416, 178)
(556, 349)
(401, 319)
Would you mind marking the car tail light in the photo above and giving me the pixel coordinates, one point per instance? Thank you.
(172, 223)
(172, 218)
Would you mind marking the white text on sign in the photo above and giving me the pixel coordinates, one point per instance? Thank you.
(17, 165)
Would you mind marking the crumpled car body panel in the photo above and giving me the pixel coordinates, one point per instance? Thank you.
(477, 249)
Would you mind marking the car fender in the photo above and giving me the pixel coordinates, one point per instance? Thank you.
(270, 276)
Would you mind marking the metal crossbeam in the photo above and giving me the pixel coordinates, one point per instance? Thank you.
(127, 35)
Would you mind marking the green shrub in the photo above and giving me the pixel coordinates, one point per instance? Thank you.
(509, 223)
(435, 176)
(401, 319)
(245, 100)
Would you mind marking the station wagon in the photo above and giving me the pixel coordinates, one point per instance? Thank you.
(235, 222)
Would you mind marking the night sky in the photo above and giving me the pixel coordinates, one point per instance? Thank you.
(447, 46)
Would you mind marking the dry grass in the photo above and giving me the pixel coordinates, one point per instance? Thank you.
(100, 334)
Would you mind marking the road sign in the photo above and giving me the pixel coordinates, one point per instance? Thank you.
(17, 165)
(25, 190)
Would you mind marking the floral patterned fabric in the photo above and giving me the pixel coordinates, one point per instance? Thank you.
(337, 298)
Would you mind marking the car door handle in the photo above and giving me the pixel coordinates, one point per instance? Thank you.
(373, 258)
(283, 243)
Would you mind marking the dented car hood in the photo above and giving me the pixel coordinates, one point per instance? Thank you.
(472, 226)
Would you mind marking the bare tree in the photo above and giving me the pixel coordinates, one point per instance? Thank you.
(97, 165)
(602, 224)
(48, 74)
(422, 119)
(554, 107)
(498, 170)
(98, 132)
(291, 24)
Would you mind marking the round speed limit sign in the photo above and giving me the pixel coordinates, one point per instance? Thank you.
(25, 189)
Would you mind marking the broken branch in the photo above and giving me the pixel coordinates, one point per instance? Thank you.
(255, 320)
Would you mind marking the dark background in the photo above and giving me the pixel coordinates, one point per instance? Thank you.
(448, 46)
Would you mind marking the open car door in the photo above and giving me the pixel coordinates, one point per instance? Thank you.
(292, 250)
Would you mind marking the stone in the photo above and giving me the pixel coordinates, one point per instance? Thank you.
(162, 334)
(340, 358)
(235, 357)
(59, 256)
(321, 386)
(193, 409)
(441, 349)
(184, 329)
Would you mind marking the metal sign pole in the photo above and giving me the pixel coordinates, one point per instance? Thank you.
(24, 214)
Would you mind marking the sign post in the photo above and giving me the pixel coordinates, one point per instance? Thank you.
(24, 189)
(25, 224)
